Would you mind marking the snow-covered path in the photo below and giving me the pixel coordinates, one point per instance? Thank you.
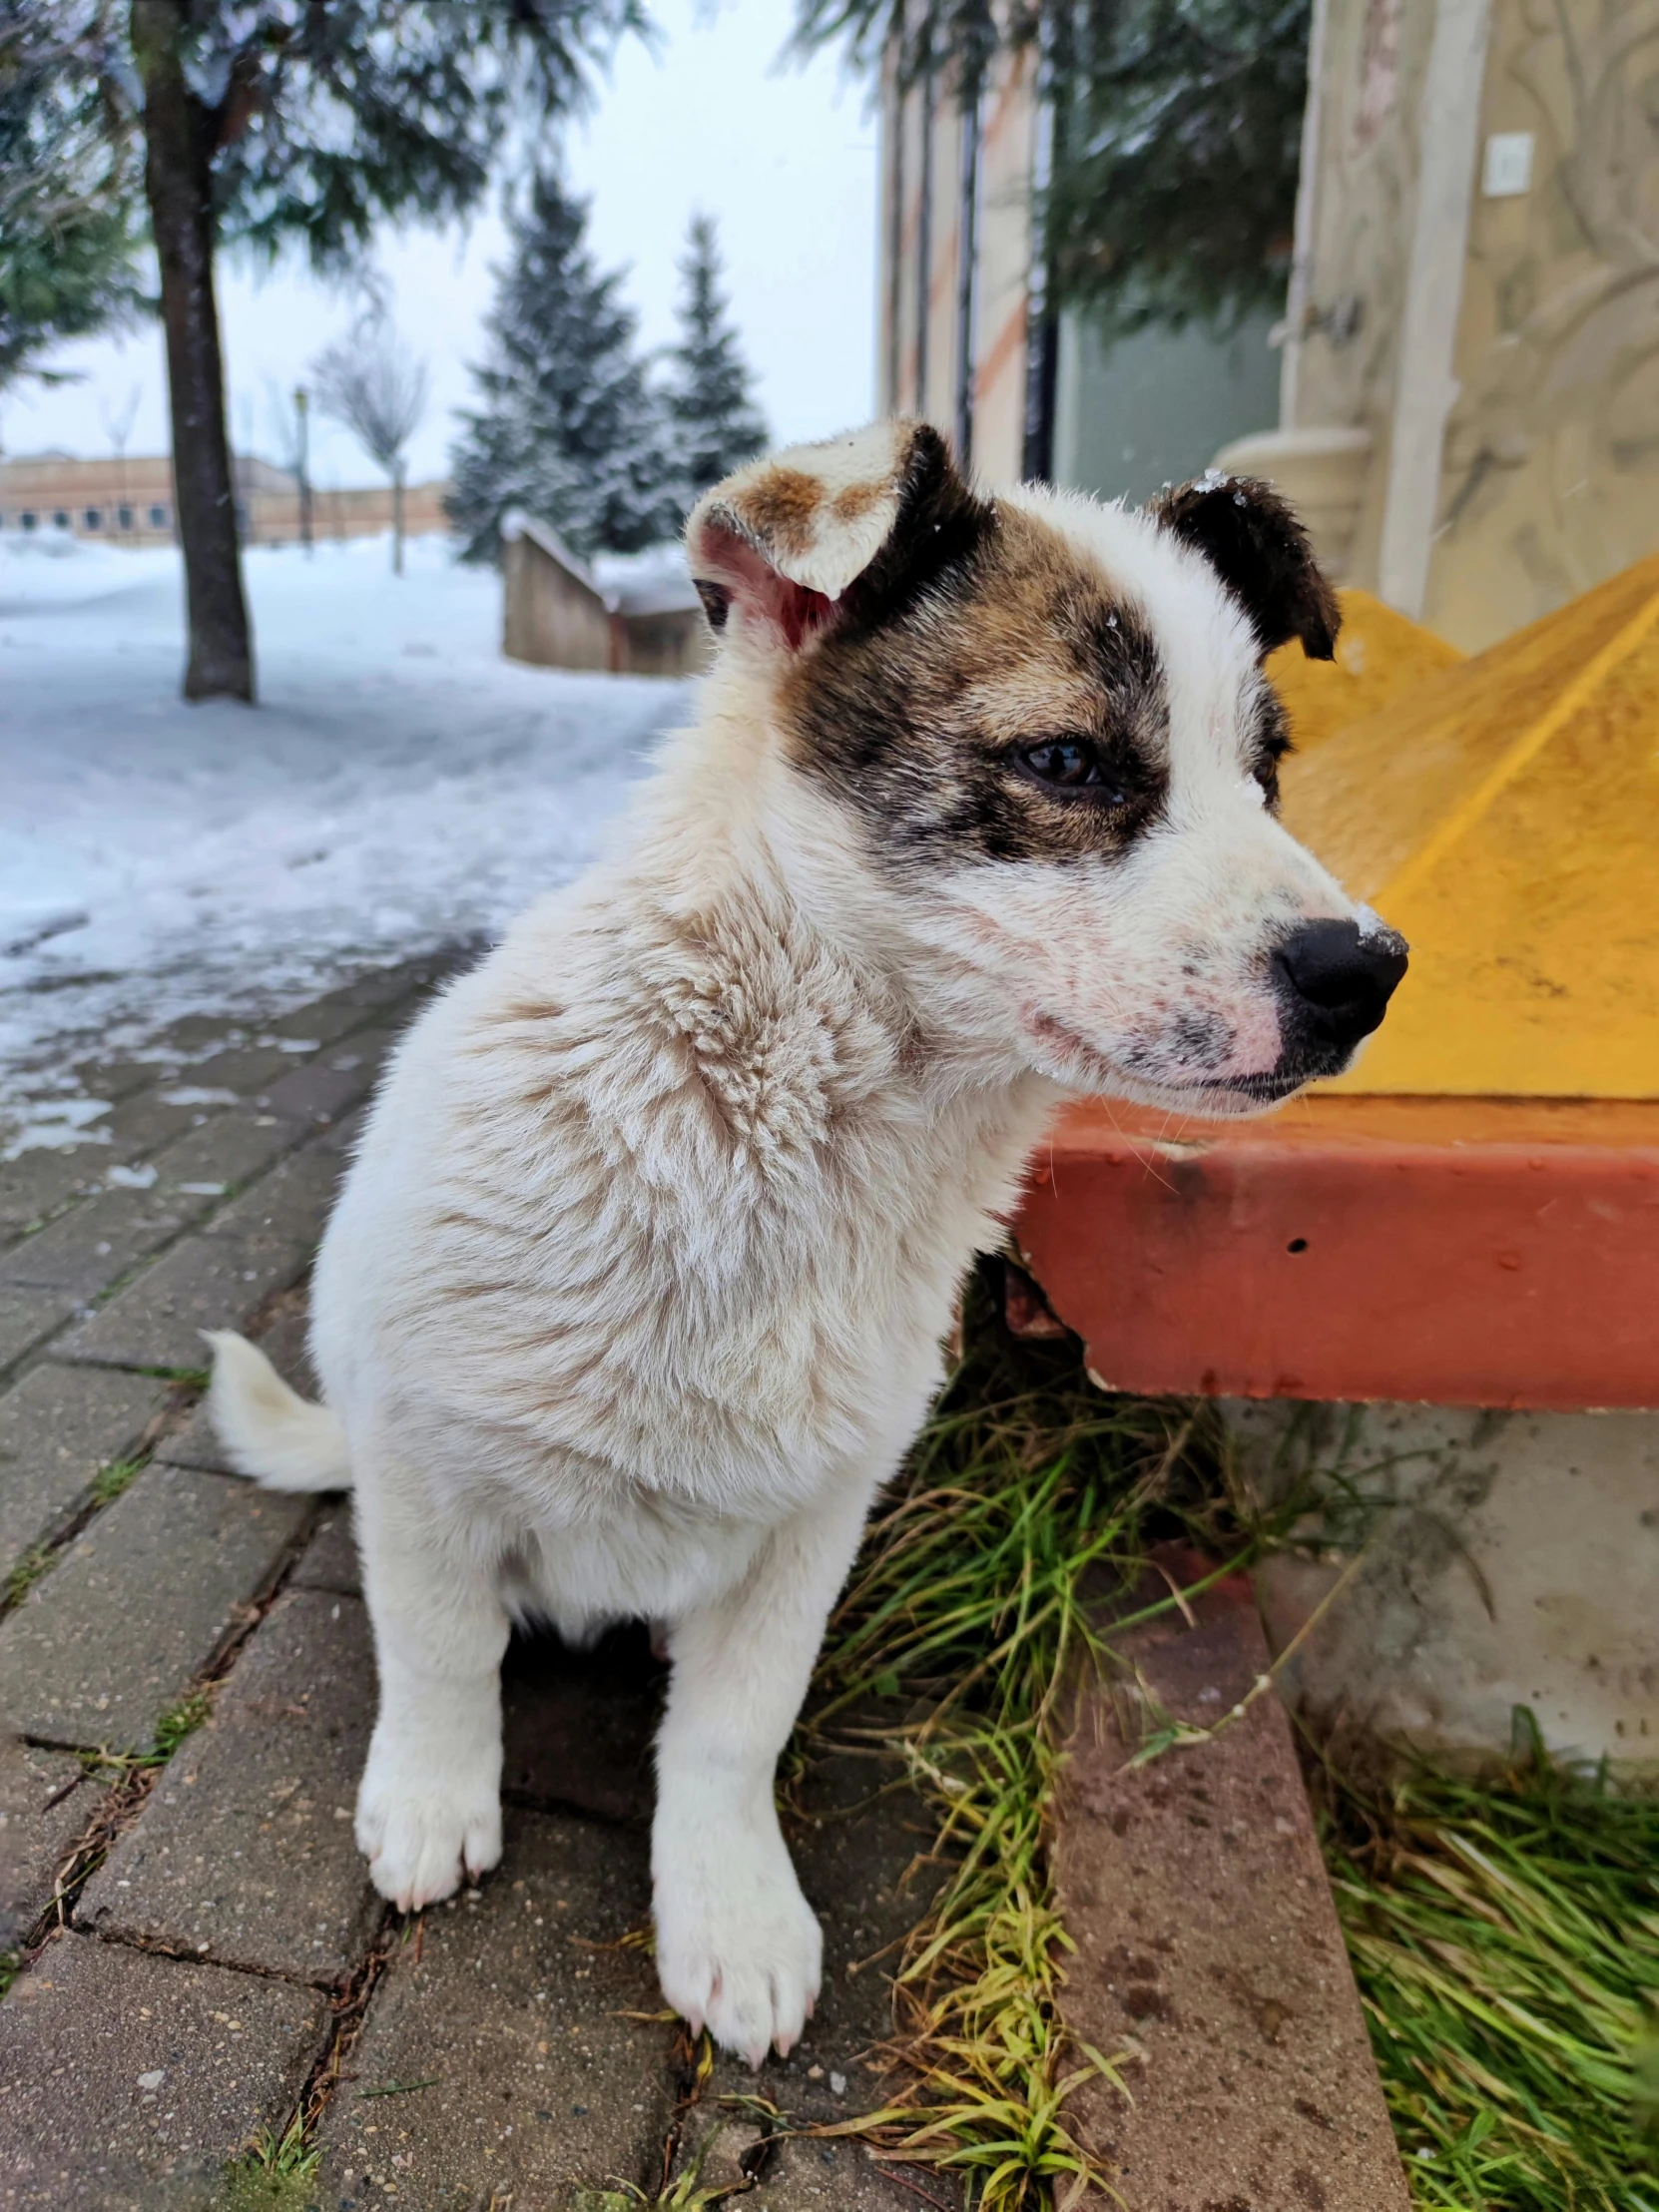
(400, 784)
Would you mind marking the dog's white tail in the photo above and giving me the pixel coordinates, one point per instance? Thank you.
(271, 1432)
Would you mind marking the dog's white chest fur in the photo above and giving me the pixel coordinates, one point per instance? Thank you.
(655, 1231)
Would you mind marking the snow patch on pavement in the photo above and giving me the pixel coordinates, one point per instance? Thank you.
(400, 786)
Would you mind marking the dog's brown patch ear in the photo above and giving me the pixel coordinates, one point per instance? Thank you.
(1261, 551)
(795, 540)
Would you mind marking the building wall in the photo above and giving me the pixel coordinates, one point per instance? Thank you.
(920, 355)
(130, 502)
(1540, 439)
(1171, 399)
(1550, 474)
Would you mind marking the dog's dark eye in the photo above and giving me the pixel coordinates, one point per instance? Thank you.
(1073, 765)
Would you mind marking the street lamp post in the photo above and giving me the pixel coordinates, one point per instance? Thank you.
(302, 420)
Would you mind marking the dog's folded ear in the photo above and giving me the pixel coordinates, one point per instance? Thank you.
(1253, 539)
(797, 541)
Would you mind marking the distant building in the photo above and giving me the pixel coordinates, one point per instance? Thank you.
(634, 615)
(130, 501)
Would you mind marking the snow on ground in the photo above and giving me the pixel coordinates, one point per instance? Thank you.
(400, 784)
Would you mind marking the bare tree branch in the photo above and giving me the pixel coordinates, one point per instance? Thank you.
(378, 390)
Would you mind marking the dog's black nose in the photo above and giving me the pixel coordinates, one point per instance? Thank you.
(1340, 980)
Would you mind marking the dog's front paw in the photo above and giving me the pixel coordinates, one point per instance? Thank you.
(421, 1823)
(739, 1950)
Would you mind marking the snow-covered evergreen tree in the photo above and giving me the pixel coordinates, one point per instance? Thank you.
(713, 420)
(568, 427)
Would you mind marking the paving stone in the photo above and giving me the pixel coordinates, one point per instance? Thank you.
(152, 1118)
(532, 2083)
(853, 1852)
(330, 1561)
(36, 1184)
(27, 1318)
(578, 1726)
(115, 1076)
(127, 2080)
(105, 1236)
(45, 1801)
(246, 1068)
(1208, 1947)
(244, 1852)
(137, 1604)
(411, 981)
(58, 1427)
(220, 1277)
(93, 1243)
(331, 1083)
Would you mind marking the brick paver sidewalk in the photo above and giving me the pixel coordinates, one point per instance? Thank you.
(185, 1690)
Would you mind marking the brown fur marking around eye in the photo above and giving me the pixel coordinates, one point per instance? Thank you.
(916, 720)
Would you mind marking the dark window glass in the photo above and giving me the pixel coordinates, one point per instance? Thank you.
(27, 518)
(61, 518)
(95, 518)
(123, 518)
(158, 518)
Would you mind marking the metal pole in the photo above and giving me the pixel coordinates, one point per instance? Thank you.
(968, 251)
(303, 422)
(924, 236)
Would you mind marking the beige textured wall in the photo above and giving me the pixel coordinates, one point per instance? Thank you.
(1376, 60)
(1550, 471)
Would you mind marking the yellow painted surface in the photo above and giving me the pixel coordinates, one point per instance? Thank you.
(1379, 654)
(1505, 817)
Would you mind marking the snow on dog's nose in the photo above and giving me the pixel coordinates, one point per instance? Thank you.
(1334, 983)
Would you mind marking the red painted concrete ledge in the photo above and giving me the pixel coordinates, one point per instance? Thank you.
(1462, 1251)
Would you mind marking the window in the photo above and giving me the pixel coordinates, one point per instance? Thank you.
(94, 518)
(27, 518)
(123, 518)
(158, 518)
(60, 518)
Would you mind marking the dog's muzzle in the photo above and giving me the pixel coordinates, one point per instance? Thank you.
(1333, 983)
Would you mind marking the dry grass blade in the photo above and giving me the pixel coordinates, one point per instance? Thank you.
(1028, 1497)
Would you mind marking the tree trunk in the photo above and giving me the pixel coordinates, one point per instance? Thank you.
(397, 523)
(178, 184)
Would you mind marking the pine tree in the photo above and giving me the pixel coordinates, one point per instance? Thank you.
(276, 122)
(1177, 135)
(715, 423)
(68, 185)
(569, 428)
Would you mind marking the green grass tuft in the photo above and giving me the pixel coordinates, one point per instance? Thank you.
(1028, 1497)
(277, 2173)
(109, 1482)
(24, 1574)
(177, 1722)
(1505, 1938)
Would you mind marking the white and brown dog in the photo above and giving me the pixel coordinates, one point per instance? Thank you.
(636, 1292)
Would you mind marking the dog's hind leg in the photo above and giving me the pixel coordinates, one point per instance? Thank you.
(739, 1948)
(429, 1806)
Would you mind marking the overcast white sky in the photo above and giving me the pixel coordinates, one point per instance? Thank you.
(782, 155)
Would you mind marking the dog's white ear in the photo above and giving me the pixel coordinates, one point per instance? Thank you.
(785, 541)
